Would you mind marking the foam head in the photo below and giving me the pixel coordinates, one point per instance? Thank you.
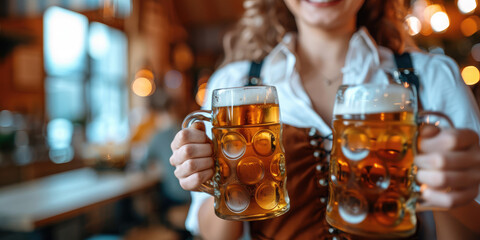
(374, 98)
(244, 96)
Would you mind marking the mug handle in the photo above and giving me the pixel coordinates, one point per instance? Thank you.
(424, 119)
(190, 119)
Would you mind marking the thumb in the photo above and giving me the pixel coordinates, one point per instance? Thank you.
(428, 131)
(198, 125)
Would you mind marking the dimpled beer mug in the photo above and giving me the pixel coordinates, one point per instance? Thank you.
(372, 187)
(249, 182)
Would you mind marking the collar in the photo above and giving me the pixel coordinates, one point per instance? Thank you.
(363, 54)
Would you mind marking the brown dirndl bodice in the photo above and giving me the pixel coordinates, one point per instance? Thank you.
(307, 185)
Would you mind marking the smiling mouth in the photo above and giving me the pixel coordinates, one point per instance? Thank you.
(321, 1)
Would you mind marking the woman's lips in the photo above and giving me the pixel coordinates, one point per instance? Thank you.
(323, 3)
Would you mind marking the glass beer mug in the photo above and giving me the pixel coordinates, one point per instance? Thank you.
(372, 176)
(249, 182)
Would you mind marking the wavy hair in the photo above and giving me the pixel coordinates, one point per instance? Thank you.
(265, 22)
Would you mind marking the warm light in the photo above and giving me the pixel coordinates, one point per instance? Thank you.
(470, 75)
(439, 21)
(430, 11)
(476, 52)
(467, 6)
(200, 97)
(144, 83)
(426, 31)
(142, 87)
(469, 26)
(414, 25)
(144, 73)
(183, 57)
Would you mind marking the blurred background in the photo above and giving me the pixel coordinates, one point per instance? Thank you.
(93, 91)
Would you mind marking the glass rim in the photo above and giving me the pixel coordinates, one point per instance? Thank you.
(243, 87)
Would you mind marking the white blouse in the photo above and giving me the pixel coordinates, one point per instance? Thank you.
(441, 88)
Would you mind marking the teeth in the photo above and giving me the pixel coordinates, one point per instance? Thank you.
(321, 1)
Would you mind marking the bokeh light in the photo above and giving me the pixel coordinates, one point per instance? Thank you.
(144, 83)
(469, 26)
(59, 138)
(142, 87)
(414, 25)
(467, 6)
(200, 97)
(182, 56)
(439, 21)
(65, 41)
(476, 52)
(146, 73)
(430, 10)
(470, 75)
(173, 79)
(98, 40)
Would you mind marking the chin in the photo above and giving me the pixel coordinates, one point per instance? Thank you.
(324, 23)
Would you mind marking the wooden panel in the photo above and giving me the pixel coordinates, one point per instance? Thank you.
(13, 96)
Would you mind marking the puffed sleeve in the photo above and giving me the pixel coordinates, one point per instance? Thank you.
(442, 89)
(232, 75)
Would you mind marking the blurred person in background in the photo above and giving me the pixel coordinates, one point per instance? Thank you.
(173, 200)
(309, 48)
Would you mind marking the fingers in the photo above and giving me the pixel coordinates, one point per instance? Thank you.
(189, 135)
(193, 182)
(190, 151)
(440, 180)
(191, 166)
(449, 166)
(448, 140)
(428, 131)
(449, 161)
(451, 199)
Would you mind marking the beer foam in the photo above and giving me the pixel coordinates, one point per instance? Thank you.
(244, 96)
(375, 98)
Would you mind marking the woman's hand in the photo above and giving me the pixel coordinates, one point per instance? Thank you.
(449, 166)
(192, 157)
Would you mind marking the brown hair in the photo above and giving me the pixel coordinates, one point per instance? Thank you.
(265, 22)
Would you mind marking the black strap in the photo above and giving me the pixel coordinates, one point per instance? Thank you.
(406, 70)
(254, 73)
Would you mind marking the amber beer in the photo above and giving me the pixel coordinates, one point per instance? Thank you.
(250, 177)
(250, 162)
(371, 167)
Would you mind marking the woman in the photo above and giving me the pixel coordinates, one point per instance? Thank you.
(335, 42)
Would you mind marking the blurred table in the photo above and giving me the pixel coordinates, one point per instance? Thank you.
(30, 205)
